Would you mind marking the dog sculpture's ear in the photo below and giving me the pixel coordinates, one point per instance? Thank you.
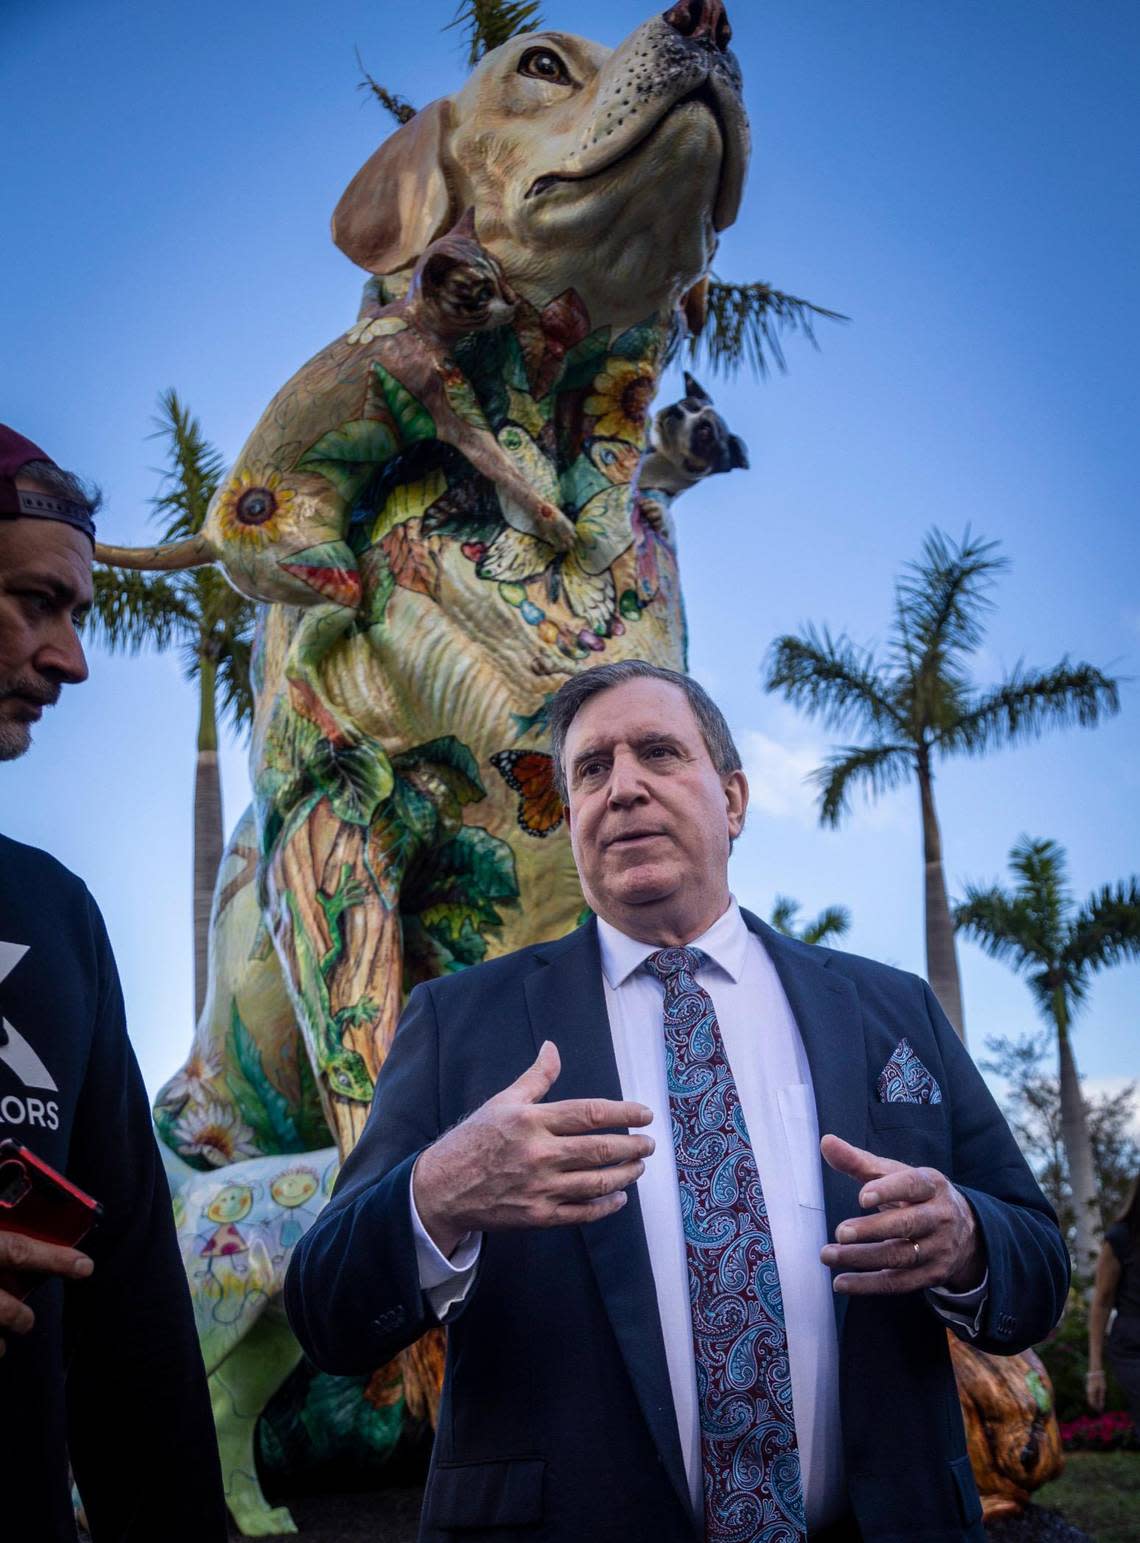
(399, 201)
(737, 452)
(695, 390)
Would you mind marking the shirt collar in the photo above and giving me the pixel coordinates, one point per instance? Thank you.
(725, 943)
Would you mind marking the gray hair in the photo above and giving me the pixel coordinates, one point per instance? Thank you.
(570, 697)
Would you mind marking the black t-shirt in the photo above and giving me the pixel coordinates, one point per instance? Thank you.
(1123, 1245)
(111, 1374)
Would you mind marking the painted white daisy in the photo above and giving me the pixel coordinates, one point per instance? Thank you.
(214, 1131)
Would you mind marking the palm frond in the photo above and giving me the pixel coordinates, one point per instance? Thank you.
(745, 325)
(1001, 924)
(1106, 929)
(196, 468)
(489, 23)
(401, 109)
(831, 679)
(878, 767)
(832, 922)
(132, 610)
(236, 688)
(1029, 702)
(783, 915)
(943, 597)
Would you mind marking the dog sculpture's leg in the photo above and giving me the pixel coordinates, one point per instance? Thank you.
(341, 945)
(239, 1390)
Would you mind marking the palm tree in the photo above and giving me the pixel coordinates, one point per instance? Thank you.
(743, 323)
(212, 625)
(832, 922)
(919, 706)
(1057, 946)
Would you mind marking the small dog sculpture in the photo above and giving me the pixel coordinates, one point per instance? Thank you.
(688, 441)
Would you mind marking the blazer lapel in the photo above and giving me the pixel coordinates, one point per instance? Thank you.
(567, 1004)
(830, 1020)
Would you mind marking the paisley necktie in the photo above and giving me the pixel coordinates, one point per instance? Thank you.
(752, 1482)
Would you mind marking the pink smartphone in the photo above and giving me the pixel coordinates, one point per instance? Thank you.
(40, 1203)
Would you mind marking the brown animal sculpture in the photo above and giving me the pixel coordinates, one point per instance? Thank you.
(1012, 1433)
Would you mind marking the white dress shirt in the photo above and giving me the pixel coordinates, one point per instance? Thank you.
(773, 1080)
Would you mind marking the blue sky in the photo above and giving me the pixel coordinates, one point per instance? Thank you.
(957, 178)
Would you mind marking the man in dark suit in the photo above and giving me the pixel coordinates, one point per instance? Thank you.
(651, 1335)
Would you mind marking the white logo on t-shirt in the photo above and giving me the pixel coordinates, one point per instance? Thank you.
(19, 1057)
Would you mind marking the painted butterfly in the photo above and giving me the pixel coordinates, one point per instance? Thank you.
(530, 774)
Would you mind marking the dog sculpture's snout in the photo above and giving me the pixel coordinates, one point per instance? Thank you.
(701, 20)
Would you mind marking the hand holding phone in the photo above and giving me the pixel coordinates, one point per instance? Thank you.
(42, 1215)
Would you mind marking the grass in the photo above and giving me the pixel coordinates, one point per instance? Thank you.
(1099, 1492)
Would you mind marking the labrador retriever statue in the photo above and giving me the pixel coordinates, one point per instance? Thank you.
(429, 589)
(440, 511)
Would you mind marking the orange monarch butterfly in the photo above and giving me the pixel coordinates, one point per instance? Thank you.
(530, 774)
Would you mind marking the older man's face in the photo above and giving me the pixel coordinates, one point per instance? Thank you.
(45, 588)
(651, 819)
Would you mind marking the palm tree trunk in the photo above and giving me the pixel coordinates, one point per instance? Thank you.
(208, 826)
(941, 952)
(1078, 1149)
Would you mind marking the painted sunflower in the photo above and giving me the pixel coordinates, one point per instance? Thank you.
(621, 397)
(253, 507)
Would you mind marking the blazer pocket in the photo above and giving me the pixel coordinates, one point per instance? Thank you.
(908, 1116)
(506, 1493)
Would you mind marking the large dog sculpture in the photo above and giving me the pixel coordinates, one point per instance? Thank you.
(428, 596)
(445, 523)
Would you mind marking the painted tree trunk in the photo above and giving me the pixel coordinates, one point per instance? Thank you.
(941, 951)
(208, 827)
(1078, 1152)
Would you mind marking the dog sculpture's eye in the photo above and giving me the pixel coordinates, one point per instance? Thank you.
(255, 506)
(544, 64)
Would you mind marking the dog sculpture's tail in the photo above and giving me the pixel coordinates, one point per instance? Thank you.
(193, 552)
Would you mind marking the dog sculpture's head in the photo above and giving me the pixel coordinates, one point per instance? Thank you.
(609, 172)
(694, 439)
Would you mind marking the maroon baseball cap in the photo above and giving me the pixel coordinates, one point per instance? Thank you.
(22, 503)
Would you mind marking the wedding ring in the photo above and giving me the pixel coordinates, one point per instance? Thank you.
(915, 1253)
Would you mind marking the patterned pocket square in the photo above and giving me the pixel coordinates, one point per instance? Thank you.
(904, 1079)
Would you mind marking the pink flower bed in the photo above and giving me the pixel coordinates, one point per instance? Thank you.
(1097, 1432)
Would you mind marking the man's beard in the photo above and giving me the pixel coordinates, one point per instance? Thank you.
(16, 738)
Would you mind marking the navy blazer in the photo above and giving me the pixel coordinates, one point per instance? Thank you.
(557, 1418)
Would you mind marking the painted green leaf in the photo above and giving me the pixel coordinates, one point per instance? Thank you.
(584, 361)
(413, 420)
(380, 584)
(481, 861)
(277, 1114)
(639, 342)
(356, 780)
(451, 759)
(348, 456)
(463, 402)
(580, 481)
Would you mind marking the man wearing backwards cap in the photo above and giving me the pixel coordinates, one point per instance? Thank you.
(101, 1364)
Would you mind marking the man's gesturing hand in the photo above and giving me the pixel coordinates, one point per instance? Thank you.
(20, 1255)
(517, 1162)
(923, 1233)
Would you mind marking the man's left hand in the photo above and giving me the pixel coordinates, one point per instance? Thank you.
(923, 1233)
